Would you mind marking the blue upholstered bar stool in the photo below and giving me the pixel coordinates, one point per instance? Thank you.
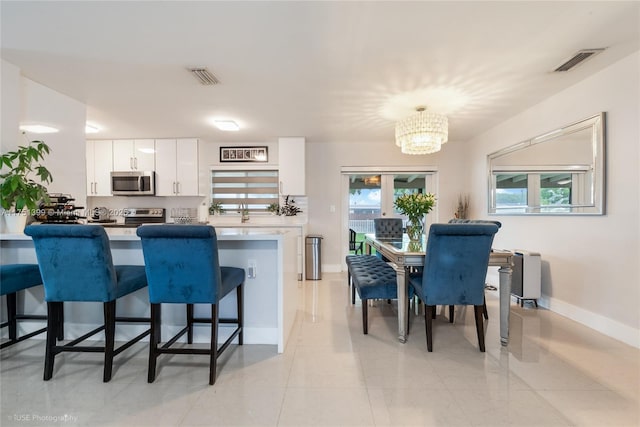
(183, 268)
(13, 279)
(455, 268)
(76, 265)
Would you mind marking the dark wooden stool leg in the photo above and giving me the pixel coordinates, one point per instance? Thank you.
(240, 298)
(50, 351)
(451, 312)
(154, 340)
(190, 323)
(110, 338)
(12, 312)
(213, 360)
(60, 329)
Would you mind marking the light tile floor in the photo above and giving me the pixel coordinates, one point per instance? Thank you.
(555, 372)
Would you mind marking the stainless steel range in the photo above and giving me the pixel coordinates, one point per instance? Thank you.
(134, 217)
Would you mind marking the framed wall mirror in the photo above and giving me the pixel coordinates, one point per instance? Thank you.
(558, 173)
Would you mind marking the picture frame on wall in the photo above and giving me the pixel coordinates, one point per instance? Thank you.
(244, 154)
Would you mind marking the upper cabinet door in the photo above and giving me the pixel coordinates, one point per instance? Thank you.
(144, 154)
(291, 166)
(99, 167)
(136, 155)
(123, 155)
(187, 167)
(177, 167)
(165, 167)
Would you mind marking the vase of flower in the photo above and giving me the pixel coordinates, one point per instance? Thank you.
(414, 229)
(415, 206)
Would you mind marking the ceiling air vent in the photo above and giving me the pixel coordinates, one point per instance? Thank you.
(578, 58)
(204, 76)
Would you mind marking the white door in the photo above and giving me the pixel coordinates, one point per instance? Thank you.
(123, 155)
(144, 155)
(103, 164)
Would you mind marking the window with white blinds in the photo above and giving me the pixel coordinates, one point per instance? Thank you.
(255, 188)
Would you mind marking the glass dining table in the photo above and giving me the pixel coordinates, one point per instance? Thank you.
(404, 254)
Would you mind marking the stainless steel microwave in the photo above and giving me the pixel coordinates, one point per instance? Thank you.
(133, 183)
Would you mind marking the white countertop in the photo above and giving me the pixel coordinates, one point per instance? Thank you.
(129, 234)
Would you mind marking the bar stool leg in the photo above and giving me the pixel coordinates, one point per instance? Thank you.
(190, 323)
(240, 299)
(12, 312)
(154, 340)
(110, 335)
(53, 317)
(213, 361)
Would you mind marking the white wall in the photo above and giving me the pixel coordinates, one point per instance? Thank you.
(25, 101)
(67, 160)
(590, 264)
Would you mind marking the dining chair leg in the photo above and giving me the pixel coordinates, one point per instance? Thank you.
(485, 313)
(451, 312)
(50, 351)
(12, 312)
(213, 360)
(365, 316)
(110, 335)
(240, 298)
(479, 326)
(429, 314)
(154, 340)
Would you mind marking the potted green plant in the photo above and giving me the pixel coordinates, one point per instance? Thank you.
(19, 191)
(216, 208)
(274, 208)
(415, 206)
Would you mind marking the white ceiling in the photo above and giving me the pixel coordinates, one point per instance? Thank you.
(330, 71)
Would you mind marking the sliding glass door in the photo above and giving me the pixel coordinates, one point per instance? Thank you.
(371, 194)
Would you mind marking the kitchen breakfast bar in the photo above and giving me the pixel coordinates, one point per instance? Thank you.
(272, 297)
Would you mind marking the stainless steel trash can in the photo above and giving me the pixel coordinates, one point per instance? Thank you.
(313, 257)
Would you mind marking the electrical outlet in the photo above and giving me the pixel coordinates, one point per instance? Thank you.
(251, 271)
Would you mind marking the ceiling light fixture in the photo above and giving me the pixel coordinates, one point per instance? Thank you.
(227, 125)
(38, 129)
(422, 133)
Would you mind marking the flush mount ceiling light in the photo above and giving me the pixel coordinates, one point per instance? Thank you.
(227, 125)
(38, 129)
(422, 133)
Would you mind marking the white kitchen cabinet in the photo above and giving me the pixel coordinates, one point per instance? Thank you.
(177, 167)
(134, 154)
(291, 166)
(99, 167)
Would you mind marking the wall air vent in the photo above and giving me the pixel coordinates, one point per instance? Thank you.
(578, 58)
(204, 76)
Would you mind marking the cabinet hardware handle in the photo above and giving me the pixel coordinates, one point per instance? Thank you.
(135, 163)
(95, 188)
(174, 187)
(178, 187)
(131, 162)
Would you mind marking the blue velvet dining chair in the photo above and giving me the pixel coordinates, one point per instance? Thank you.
(76, 266)
(455, 268)
(183, 268)
(485, 313)
(387, 228)
(15, 278)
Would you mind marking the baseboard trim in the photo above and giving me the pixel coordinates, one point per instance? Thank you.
(598, 322)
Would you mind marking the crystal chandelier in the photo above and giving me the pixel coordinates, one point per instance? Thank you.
(422, 133)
